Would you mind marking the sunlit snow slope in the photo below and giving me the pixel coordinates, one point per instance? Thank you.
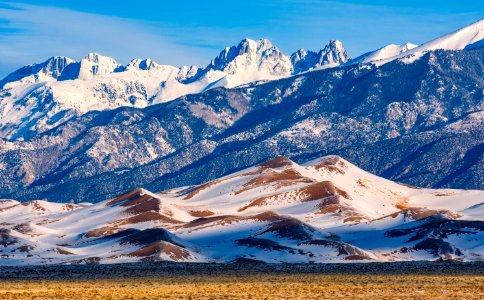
(469, 37)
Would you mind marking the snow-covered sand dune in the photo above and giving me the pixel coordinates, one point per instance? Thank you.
(326, 210)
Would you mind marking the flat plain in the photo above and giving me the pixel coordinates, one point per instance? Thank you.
(413, 280)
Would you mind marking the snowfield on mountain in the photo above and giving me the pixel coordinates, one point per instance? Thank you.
(325, 210)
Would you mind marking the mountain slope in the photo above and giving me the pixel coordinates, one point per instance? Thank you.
(325, 210)
(468, 37)
(383, 53)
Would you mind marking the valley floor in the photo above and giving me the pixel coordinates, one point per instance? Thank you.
(413, 280)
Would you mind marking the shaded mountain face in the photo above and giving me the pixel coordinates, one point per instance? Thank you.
(419, 123)
(325, 210)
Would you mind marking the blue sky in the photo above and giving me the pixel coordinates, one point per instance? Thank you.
(187, 32)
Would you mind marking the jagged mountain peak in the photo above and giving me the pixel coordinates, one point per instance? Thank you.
(253, 59)
(49, 70)
(55, 66)
(261, 54)
(332, 54)
(54, 60)
(98, 58)
(247, 45)
(99, 82)
(301, 52)
(253, 50)
(335, 44)
(95, 64)
(142, 64)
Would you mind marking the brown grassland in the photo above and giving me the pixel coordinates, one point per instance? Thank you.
(252, 286)
(245, 280)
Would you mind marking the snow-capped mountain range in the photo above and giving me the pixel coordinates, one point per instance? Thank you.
(325, 210)
(73, 130)
(39, 97)
(60, 88)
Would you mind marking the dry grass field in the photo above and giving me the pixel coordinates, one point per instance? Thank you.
(163, 280)
(271, 286)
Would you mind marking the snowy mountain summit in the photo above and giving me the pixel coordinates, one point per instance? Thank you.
(333, 54)
(258, 55)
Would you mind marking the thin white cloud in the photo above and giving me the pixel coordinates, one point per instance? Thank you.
(32, 34)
